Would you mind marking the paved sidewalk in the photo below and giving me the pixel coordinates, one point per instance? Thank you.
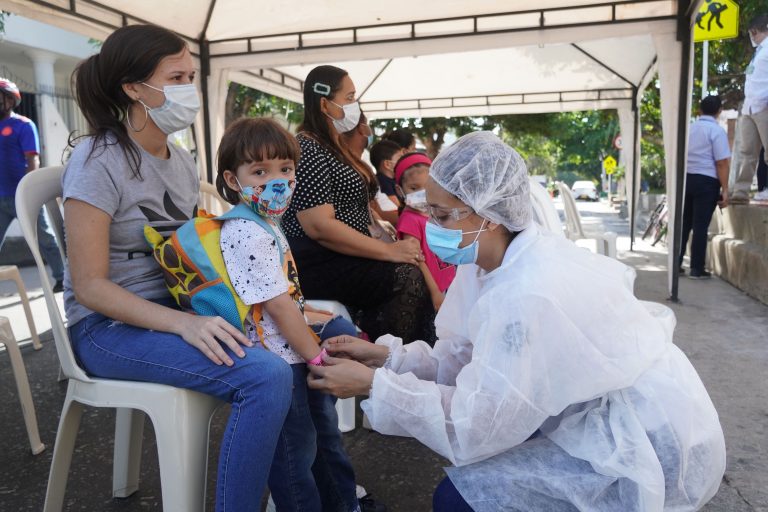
(723, 332)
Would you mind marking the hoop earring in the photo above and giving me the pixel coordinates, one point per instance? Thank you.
(146, 118)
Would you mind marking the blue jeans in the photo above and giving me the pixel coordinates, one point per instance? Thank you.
(311, 471)
(258, 387)
(447, 498)
(701, 196)
(45, 240)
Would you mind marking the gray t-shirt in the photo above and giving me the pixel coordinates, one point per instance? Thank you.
(164, 198)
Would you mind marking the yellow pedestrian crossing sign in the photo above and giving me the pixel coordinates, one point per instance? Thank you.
(716, 19)
(609, 164)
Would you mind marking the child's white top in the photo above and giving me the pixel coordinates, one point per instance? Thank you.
(253, 263)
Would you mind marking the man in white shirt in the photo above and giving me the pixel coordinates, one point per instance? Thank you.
(753, 131)
(708, 165)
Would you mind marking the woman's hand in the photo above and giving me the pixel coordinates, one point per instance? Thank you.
(405, 251)
(362, 351)
(340, 377)
(207, 333)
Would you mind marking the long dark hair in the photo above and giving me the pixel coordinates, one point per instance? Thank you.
(130, 54)
(316, 123)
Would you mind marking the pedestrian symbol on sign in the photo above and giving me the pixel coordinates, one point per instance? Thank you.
(716, 19)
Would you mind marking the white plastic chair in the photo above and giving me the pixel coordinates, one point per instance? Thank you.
(211, 201)
(22, 384)
(11, 273)
(181, 418)
(544, 211)
(345, 407)
(606, 242)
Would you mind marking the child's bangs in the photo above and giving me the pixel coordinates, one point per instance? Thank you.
(270, 144)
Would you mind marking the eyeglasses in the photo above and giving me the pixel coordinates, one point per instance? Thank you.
(442, 216)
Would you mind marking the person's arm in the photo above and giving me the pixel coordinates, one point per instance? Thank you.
(87, 229)
(390, 216)
(723, 167)
(395, 200)
(321, 225)
(33, 161)
(434, 291)
(292, 325)
(29, 143)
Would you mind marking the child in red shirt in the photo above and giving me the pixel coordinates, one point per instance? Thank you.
(411, 174)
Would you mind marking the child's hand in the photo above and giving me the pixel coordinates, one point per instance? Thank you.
(349, 347)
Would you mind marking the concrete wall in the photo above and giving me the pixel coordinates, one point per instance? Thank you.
(739, 254)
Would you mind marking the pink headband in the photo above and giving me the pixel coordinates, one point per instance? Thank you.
(409, 161)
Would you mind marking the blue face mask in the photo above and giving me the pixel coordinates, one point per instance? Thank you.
(445, 242)
(270, 199)
(370, 140)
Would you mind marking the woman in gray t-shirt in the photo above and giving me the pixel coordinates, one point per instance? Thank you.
(123, 322)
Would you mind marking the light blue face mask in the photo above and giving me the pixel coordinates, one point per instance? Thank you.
(270, 199)
(445, 242)
(370, 140)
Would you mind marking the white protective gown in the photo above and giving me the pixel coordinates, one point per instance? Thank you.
(553, 388)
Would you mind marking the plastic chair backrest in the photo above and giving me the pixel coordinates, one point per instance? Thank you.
(572, 217)
(211, 201)
(38, 188)
(544, 211)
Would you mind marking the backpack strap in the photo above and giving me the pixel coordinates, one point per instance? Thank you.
(242, 211)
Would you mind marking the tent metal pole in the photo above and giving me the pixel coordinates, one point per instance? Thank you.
(205, 72)
(635, 166)
(684, 34)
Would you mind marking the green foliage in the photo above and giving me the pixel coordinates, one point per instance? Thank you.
(431, 131)
(651, 141)
(243, 101)
(728, 59)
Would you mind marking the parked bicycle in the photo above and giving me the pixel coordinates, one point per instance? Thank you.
(657, 223)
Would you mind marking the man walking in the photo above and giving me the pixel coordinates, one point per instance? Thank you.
(19, 150)
(753, 128)
(708, 163)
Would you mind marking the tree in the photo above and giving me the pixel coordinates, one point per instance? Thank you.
(728, 59)
(431, 131)
(243, 101)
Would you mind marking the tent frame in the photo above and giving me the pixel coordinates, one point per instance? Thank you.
(220, 56)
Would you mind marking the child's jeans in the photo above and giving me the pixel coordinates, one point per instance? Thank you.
(311, 471)
(257, 386)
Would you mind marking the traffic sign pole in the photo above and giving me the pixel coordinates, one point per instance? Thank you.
(705, 69)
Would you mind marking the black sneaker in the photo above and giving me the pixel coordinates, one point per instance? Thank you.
(699, 274)
(681, 271)
(368, 504)
(59, 286)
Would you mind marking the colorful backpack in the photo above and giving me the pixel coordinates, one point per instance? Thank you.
(194, 268)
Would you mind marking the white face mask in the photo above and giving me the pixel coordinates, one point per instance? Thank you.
(350, 119)
(417, 200)
(178, 111)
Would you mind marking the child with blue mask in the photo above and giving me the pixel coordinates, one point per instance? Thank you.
(257, 160)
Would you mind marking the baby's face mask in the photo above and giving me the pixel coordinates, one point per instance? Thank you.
(417, 200)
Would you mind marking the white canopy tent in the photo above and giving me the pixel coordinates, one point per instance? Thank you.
(434, 58)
